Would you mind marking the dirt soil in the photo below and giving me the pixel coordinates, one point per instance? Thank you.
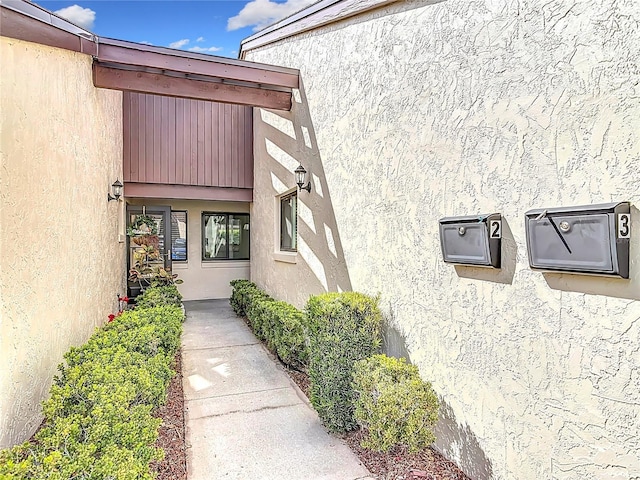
(171, 435)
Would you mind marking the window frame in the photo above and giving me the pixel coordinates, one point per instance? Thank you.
(281, 199)
(186, 236)
(226, 258)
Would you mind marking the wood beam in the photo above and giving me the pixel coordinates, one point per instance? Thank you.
(187, 192)
(116, 51)
(144, 82)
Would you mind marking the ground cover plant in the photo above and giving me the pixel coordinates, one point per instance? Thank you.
(99, 421)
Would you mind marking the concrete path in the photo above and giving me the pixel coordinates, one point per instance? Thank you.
(245, 418)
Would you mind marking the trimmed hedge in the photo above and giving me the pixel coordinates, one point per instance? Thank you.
(343, 328)
(279, 324)
(336, 340)
(394, 405)
(98, 418)
(241, 296)
(160, 295)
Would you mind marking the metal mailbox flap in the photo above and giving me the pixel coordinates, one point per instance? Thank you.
(471, 240)
(579, 239)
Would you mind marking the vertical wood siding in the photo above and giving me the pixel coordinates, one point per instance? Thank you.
(178, 141)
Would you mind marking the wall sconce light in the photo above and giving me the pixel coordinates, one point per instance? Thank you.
(300, 174)
(116, 189)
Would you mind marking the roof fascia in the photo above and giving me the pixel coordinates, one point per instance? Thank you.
(166, 70)
(316, 15)
(25, 21)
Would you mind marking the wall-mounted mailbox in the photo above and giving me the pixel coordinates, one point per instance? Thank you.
(591, 239)
(472, 240)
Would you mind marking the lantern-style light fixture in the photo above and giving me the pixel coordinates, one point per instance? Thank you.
(300, 176)
(116, 189)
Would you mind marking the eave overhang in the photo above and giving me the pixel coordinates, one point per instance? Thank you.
(318, 14)
(130, 66)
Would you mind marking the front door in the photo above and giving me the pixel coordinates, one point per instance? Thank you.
(162, 218)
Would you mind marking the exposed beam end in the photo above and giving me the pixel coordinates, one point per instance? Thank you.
(159, 84)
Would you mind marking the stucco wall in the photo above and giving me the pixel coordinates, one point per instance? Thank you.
(418, 111)
(203, 279)
(61, 263)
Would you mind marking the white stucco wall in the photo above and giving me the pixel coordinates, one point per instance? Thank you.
(61, 262)
(414, 112)
(202, 279)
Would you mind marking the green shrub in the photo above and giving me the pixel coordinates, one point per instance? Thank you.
(98, 418)
(159, 296)
(279, 324)
(283, 328)
(393, 404)
(238, 299)
(343, 328)
(255, 303)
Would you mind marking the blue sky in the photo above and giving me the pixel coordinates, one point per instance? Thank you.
(214, 27)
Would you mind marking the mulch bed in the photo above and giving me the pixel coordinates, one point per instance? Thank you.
(171, 435)
(399, 464)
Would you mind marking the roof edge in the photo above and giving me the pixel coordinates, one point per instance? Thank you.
(315, 15)
(45, 16)
(23, 20)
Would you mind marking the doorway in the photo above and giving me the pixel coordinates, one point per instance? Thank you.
(161, 216)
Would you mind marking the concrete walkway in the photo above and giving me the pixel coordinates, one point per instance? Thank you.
(245, 418)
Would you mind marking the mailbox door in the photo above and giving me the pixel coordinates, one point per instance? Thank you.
(471, 247)
(586, 245)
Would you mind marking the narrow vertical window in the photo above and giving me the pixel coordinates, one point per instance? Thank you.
(289, 222)
(178, 235)
(239, 236)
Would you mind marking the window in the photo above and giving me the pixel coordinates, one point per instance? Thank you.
(289, 222)
(178, 235)
(225, 236)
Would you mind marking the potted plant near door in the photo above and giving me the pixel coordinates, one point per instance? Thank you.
(144, 231)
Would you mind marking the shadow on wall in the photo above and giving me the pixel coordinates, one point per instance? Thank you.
(456, 442)
(598, 285)
(290, 140)
(393, 342)
(459, 443)
(508, 254)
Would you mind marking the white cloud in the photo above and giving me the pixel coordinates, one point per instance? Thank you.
(146, 43)
(179, 43)
(204, 49)
(200, 39)
(261, 13)
(83, 17)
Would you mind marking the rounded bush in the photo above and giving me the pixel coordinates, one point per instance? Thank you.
(158, 296)
(393, 404)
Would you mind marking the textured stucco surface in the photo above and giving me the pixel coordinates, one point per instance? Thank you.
(414, 112)
(203, 280)
(61, 264)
